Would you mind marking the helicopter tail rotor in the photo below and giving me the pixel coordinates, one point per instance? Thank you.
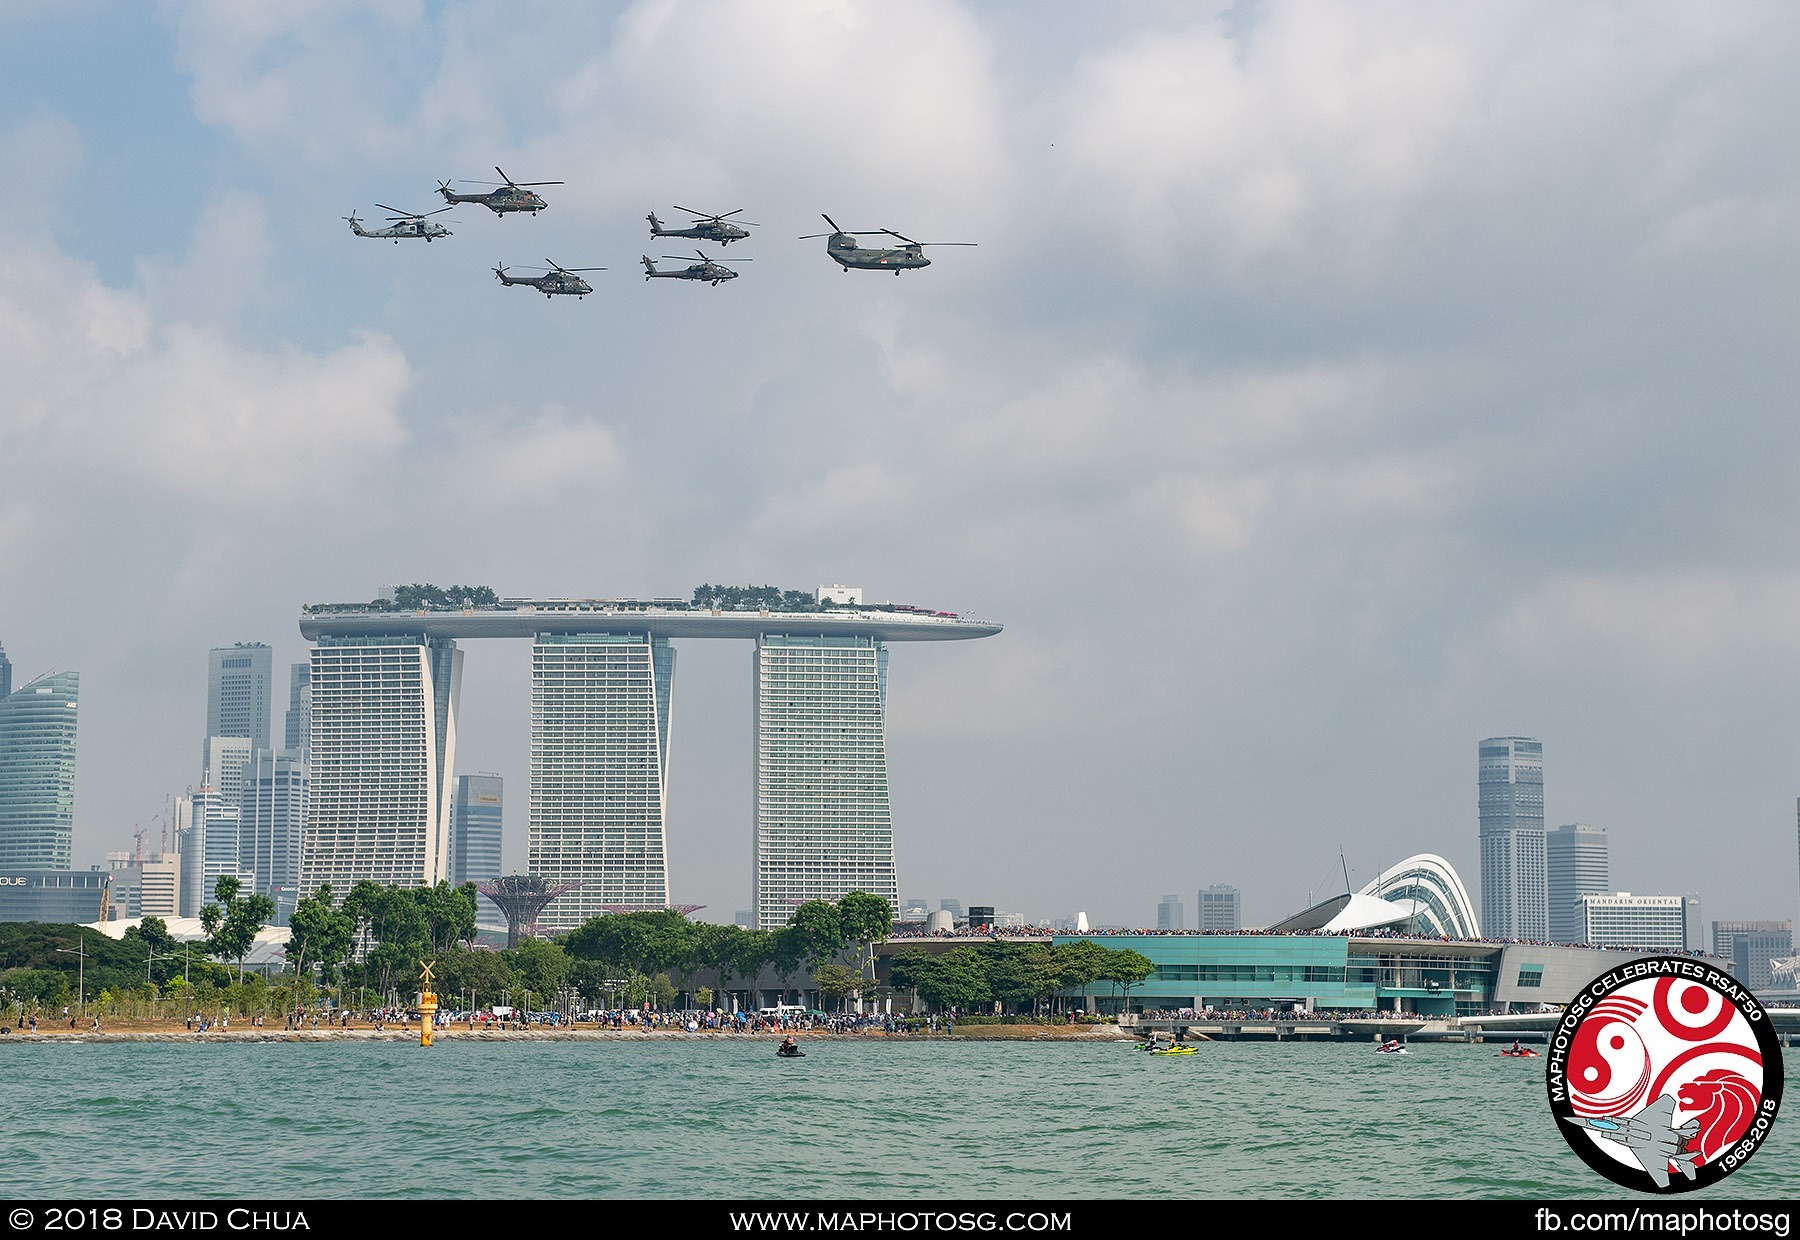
(649, 267)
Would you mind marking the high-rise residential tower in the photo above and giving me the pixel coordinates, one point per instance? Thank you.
(380, 762)
(1514, 878)
(37, 773)
(1575, 861)
(599, 766)
(475, 837)
(823, 823)
(218, 809)
(238, 687)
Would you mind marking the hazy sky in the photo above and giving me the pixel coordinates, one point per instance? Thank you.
(1332, 386)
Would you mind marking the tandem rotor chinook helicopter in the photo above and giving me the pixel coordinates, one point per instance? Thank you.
(704, 228)
(406, 224)
(511, 196)
(554, 281)
(845, 251)
(709, 269)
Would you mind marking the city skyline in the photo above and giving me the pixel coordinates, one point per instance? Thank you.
(1327, 390)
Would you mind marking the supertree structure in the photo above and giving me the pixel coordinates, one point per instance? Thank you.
(522, 897)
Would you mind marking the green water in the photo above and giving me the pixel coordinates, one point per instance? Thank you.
(853, 1120)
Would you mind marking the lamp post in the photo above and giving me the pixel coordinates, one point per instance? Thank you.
(80, 953)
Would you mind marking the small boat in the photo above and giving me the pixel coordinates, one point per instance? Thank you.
(1388, 1049)
(1173, 1050)
(1520, 1054)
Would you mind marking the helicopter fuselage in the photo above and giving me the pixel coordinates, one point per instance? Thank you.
(500, 201)
(712, 273)
(844, 250)
(406, 228)
(724, 234)
(552, 284)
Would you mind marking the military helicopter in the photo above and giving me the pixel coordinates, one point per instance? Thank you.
(704, 228)
(554, 281)
(511, 196)
(842, 247)
(406, 224)
(710, 270)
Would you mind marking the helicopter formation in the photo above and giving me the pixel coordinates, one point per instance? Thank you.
(507, 196)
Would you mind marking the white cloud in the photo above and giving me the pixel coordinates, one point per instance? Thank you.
(539, 463)
(1676, 626)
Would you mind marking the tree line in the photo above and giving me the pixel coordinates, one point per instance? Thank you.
(369, 945)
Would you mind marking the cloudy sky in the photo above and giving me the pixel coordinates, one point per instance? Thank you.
(1332, 386)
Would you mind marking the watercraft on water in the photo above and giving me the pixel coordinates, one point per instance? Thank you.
(1390, 1048)
(1173, 1050)
(1520, 1054)
(789, 1050)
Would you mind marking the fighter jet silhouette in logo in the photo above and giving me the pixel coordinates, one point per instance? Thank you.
(1650, 1138)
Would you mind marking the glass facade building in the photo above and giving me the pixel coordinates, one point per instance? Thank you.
(380, 761)
(1515, 900)
(271, 804)
(475, 834)
(599, 772)
(37, 772)
(824, 827)
(1575, 862)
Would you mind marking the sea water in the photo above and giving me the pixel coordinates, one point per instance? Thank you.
(855, 1119)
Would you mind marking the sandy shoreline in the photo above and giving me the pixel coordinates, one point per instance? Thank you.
(977, 1033)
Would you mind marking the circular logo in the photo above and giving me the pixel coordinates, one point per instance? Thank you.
(1664, 1074)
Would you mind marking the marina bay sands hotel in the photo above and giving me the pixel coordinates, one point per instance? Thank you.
(382, 749)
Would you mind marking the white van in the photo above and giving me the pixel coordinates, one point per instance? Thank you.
(781, 1011)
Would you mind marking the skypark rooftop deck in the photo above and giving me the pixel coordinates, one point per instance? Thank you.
(660, 618)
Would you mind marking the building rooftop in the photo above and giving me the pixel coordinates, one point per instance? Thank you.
(888, 622)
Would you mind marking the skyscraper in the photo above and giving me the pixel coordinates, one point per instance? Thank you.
(37, 773)
(1514, 879)
(1169, 913)
(238, 680)
(1575, 860)
(1220, 908)
(218, 809)
(823, 823)
(5, 673)
(299, 711)
(599, 764)
(475, 834)
(380, 762)
(271, 799)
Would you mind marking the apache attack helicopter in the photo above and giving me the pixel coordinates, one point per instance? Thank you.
(710, 270)
(842, 247)
(406, 224)
(511, 196)
(704, 228)
(555, 280)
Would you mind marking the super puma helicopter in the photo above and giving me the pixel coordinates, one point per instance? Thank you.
(843, 248)
(511, 196)
(557, 280)
(406, 224)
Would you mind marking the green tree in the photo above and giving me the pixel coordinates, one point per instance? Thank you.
(821, 930)
(1127, 968)
(319, 933)
(539, 966)
(955, 978)
(835, 982)
(449, 914)
(484, 975)
(232, 923)
(865, 919)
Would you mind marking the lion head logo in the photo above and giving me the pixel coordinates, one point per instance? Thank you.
(1726, 1103)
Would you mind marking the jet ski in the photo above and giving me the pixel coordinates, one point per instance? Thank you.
(1173, 1050)
(788, 1050)
(1390, 1048)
